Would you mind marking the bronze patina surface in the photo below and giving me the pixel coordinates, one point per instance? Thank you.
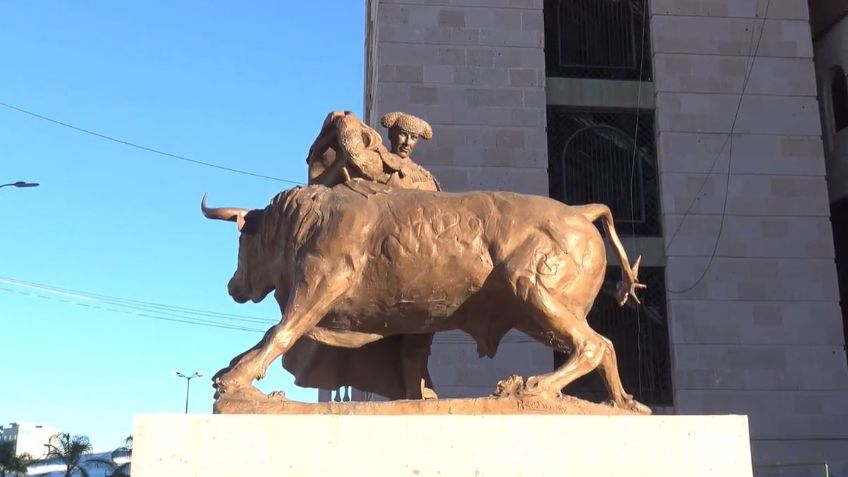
(348, 148)
(397, 365)
(358, 262)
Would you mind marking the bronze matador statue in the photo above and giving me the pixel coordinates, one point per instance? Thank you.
(347, 148)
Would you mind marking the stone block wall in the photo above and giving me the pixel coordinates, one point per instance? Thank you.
(761, 333)
(475, 70)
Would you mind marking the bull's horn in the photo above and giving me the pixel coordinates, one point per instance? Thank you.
(230, 214)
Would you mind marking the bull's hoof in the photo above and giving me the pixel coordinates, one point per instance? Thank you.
(428, 394)
(537, 388)
(630, 404)
(277, 395)
(225, 382)
(245, 391)
(509, 387)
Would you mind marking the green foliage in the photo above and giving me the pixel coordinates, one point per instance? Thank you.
(70, 450)
(122, 470)
(11, 464)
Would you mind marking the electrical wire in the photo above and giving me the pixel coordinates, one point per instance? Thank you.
(752, 57)
(136, 307)
(168, 317)
(145, 148)
(130, 302)
(632, 177)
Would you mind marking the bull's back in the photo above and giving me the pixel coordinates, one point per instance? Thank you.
(428, 253)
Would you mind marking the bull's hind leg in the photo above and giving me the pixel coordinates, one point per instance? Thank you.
(609, 372)
(589, 350)
(309, 300)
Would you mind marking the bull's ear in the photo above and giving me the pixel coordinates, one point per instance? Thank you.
(250, 221)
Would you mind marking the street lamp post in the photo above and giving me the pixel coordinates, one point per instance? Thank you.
(20, 184)
(197, 374)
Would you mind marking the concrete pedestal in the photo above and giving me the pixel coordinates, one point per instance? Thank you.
(445, 445)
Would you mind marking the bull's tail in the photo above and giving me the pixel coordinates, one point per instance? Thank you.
(629, 282)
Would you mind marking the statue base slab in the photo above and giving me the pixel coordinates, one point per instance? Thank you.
(449, 445)
(239, 404)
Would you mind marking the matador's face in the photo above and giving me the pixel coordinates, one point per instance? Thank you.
(403, 142)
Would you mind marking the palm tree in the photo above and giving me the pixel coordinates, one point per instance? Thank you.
(71, 450)
(10, 463)
(122, 470)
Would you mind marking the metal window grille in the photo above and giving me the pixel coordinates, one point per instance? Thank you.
(640, 338)
(603, 39)
(593, 159)
(839, 222)
(839, 99)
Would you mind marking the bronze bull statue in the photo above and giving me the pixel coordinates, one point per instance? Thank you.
(358, 262)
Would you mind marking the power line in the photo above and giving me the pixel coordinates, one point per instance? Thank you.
(141, 308)
(131, 302)
(752, 57)
(184, 320)
(145, 148)
(635, 242)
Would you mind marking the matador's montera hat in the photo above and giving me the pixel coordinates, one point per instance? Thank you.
(408, 122)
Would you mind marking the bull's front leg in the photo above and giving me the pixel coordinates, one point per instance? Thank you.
(415, 354)
(316, 290)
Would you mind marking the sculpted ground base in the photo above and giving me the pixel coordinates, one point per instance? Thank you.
(567, 405)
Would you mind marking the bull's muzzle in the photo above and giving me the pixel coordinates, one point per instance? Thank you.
(236, 291)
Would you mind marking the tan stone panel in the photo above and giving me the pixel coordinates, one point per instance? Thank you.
(523, 4)
(389, 53)
(731, 36)
(758, 114)
(751, 279)
(748, 194)
(777, 9)
(752, 153)
(748, 236)
(746, 367)
(462, 36)
(388, 14)
(477, 157)
(444, 104)
(726, 74)
(755, 322)
(522, 180)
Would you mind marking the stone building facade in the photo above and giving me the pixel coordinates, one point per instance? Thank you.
(29, 438)
(734, 228)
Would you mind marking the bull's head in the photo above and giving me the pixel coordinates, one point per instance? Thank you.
(253, 279)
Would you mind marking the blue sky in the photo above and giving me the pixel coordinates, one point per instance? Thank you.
(242, 85)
